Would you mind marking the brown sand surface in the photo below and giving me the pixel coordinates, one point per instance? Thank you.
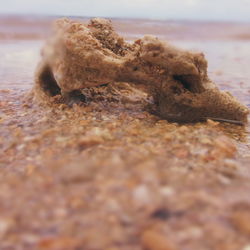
(111, 174)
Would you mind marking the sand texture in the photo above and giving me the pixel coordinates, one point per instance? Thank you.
(113, 173)
(78, 56)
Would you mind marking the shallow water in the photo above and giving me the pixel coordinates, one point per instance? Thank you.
(18, 62)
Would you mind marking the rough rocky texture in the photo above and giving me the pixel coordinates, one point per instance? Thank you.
(78, 56)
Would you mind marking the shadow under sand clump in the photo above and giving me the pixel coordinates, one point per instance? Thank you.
(80, 56)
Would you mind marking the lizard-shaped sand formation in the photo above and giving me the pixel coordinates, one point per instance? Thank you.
(78, 56)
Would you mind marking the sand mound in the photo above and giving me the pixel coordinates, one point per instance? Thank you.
(79, 56)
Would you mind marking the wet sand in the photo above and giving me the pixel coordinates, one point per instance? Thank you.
(112, 174)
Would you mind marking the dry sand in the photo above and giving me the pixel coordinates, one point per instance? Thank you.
(111, 174)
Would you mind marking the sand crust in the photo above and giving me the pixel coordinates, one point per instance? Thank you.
(79, 56)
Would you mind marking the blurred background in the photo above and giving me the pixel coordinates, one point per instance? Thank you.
(226, 10)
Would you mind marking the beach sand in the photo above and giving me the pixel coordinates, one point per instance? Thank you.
(111, 174)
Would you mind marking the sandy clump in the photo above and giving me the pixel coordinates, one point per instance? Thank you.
(80, 56)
